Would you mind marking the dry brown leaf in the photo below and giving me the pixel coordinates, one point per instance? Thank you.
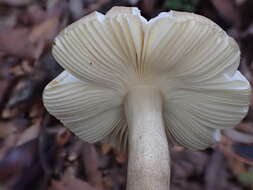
(90, 159)
(76, 8)
(75, 151)
(63, 136)
(29, 134)
(16, 2)
(95, 6)
(10, 113)
(9, 17)
(215, 175)
(20, 161)
(9, 143)
(35, 110)
(108, 182)
(45, 31)
(16, 42)
(237, 166)
(148, 6)
(227, 10)
(239, 2)
(17, 71)
(34, 15)
(7, 128)
(28, 44)
(27, 67)
(121, 157)
(177, 148)
(106, 148)
(69, 182)
(43, 34)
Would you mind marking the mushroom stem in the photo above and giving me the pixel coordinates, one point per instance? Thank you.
(149, 159)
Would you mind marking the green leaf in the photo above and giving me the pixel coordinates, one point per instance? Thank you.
(181, 5)
(246, 178)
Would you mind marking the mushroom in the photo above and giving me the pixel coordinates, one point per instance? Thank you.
(138, 83)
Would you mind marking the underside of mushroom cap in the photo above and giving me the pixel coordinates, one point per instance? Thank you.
(190, 59)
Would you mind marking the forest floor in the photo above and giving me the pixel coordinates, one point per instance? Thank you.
(37, 153)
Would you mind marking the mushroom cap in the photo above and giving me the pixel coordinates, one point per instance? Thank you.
(190, 59)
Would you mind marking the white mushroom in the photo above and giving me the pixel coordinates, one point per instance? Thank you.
(135, 83)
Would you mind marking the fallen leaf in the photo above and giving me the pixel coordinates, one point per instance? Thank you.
(106, 148)
(227, 10)
(7, 128)
(236, 151)
(34, 15)
(90, 160)
(63, 136)
(121, 157)
(238, 136)
(16, 2)
(29, 134)
(245, 152)
(9, 113)
(216, 175)
(239, 2)
(16, 42)
(69, 182)
(8, 143)
(76, 8)
(246, 178)
(246, 127)
(46, 31)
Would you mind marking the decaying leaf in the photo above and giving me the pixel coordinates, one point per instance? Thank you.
(69, 181)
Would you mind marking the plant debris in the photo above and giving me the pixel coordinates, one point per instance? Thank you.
(36, 152)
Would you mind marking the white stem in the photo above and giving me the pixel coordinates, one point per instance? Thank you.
(149, 160)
